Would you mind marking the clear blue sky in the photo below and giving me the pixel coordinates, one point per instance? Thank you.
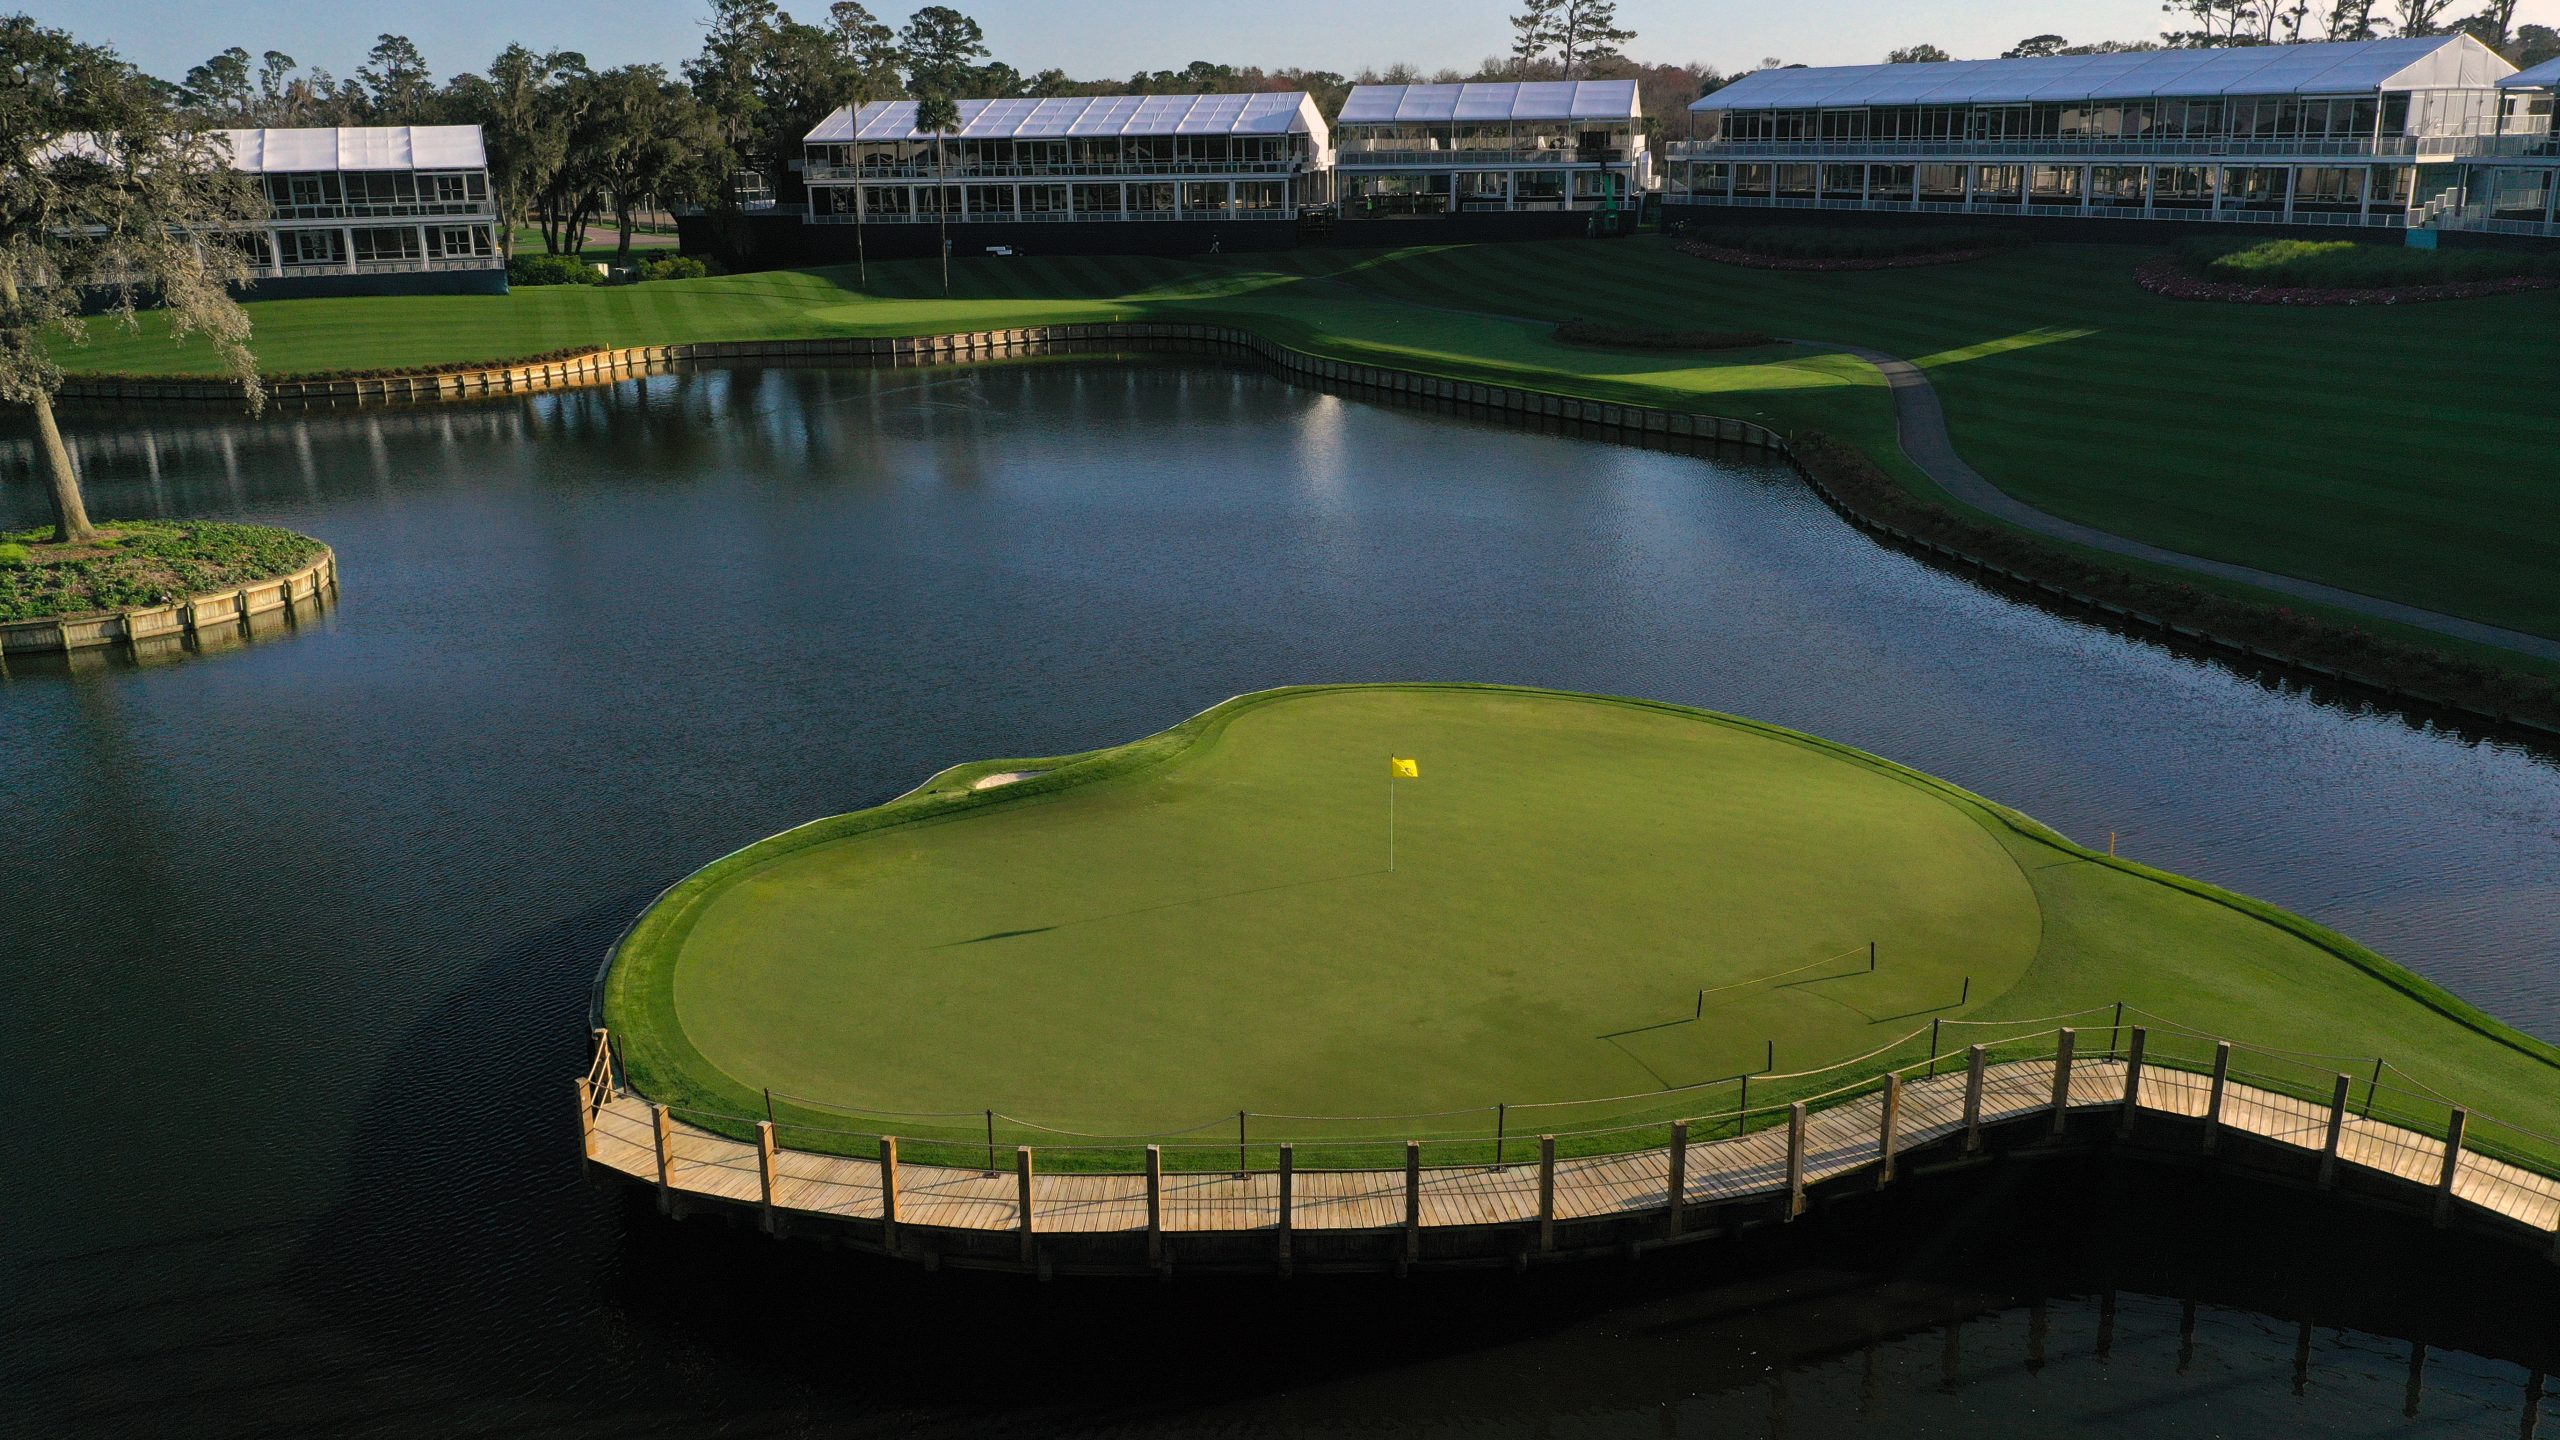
(1094, 39)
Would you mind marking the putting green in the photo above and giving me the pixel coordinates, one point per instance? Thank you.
(1148, 939)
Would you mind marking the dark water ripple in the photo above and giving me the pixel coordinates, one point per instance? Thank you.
(299, 936)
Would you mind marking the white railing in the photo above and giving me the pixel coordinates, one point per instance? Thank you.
(2379, 220)
(1044, 217)
(1347, 158)
(1888, 151)
(292, 270)
(474, 209)
(1082, 169)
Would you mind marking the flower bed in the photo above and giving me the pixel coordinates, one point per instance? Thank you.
(2166, 275)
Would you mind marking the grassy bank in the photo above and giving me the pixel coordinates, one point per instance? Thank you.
(1142, 940)
(2395, 451)
(137, 563)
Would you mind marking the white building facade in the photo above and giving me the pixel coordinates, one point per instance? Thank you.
(1433, 150)
(2371, 134)
(379, 209)
(2513, 186)
(1113, 158)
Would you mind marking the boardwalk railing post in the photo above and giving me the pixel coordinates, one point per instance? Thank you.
(1795, 1160)
(2454, 1129)
(2133, 1074)
(1155, 1205)
(586, 1118)
(2337, 1129)
(1288, 1197)
(658, 1127)
(1413, 1199)
(764, 1170)
(1975, 1058)
(1885, 1124)
(2213, 1098)
(889, 1193)
(1676, 1193)
(2064, 1040)
(1022, 1197)
(1546, 1192)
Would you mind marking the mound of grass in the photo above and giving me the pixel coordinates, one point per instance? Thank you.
(1843, 242)
(1143, 940)
(1636, 337)
(140, 563)
(2352, 265)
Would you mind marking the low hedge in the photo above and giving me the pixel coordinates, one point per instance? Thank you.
(1863, 488)
(2352, 265)
(551, 270)
(141, 563)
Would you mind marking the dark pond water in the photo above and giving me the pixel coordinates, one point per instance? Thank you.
(297, 937)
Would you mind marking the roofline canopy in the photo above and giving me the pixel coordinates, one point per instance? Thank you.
(1489, 102)
(1286, 112)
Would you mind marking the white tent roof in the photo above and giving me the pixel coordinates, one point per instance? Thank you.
(2541, 77)
(1265, 113)
(2347, 68)
(375, 147)
(1539, 100)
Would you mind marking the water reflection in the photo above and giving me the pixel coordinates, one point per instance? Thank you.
(303, 934)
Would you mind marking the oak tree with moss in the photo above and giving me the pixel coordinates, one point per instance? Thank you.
(112, 201)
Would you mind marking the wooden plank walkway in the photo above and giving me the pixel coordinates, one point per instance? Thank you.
(1840, 1139)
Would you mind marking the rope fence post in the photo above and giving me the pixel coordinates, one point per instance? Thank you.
(2214, 1097)
(1022, 1197)
(1288, 1195)
(2338, 1097)
(2133, 1074)
(1677, 1191)
(764, 1171)
(1976, 1057)
(1742, 1109)
(1501, 1124)
(658, 1127)
(2064, 1040)
(1242, 1165)
(1885, 1123)
(1546, 1193)
(991, 1142)
(1155, 1205)
(1795, 1160)
(1413, 1200)
(2115, 1031)
(889, 1193)
(2453, 1133)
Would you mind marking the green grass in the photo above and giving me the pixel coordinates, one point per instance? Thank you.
(2397, 451)
(1842, 242)
(1145, 940)
(141, 563)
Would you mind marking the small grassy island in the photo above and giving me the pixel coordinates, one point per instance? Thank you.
(139, 563)
(1589, 900)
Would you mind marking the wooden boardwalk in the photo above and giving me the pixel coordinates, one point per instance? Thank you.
(1778, 1163)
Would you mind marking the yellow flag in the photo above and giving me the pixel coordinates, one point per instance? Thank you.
(1404, 768)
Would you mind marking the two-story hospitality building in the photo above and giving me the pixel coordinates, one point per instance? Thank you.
(401, 209)
(2512, 187)
(2360, 134)
(1429, 151)
(1016, 169)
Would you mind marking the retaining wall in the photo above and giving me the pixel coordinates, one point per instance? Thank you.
(304, 589)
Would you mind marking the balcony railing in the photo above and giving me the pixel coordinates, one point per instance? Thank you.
(1073, 170)
(440, 263)
(2380, 219)
(2423, 147)
(1464, 159)
(1045, 217)
(389, 209)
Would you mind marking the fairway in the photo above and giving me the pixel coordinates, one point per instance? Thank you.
(1146, 940)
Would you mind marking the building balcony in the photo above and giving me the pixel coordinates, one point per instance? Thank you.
(2383, 217)
(2397, 147)
(1349, 159)
(1045, 217)
(439, 264)
(397, 210)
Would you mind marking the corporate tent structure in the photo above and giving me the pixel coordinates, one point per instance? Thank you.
(2362, 134)
(372, 210)
(1433, 150)
(2513, 186)
(1093, 159)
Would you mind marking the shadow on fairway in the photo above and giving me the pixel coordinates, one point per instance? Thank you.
(1168, 905)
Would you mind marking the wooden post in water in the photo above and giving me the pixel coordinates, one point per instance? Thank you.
(2133, 1074)
(1022, 1197)
(1795, 1160)
(2213, 1098)
(2452, 1171)
(2337, 1129)
(1155, 1205)
(658, 1127)
(889, 1193)
(1288, 1197)
(1676, 1193)
(1975, 1058)
(1546, 1192)
(1885, 1127)
(1413, 1199)
(2062, 1045)
(764, 1171)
